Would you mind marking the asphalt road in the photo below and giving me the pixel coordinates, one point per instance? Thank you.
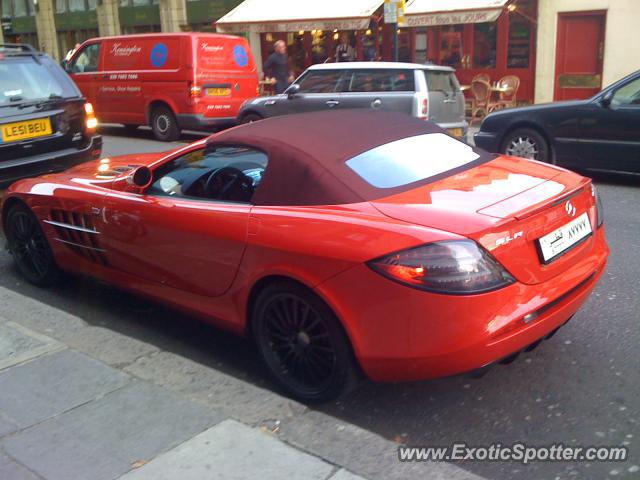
(579, 388)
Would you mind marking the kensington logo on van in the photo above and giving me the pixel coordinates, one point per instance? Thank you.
(205, 47)
(127, 51)
(159, 55)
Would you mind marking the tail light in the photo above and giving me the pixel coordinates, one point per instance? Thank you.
(450, 267)
(421, 106)
(599, 208)
(195, 91)
(91, 122)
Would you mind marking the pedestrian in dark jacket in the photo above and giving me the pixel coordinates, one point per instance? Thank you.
(277, 66)
(344, 51)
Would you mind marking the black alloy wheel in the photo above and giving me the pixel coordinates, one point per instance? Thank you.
(29, 247)
(302, 343)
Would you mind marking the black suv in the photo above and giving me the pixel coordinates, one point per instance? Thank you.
(46, 125)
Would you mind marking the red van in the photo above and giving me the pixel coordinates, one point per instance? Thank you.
(169, 81)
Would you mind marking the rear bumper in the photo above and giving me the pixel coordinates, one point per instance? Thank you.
(12, 170)
(452, 127)
(488, 141)
(411, 335)
(196, 121)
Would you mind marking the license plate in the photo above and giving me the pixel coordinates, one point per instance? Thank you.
(218, 92)
(455, 132)
(559, 241)
(13, 132)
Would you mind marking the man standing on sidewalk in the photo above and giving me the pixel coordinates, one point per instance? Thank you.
(277, 66)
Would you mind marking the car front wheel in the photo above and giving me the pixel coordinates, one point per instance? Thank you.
(526, 143)
(302, 343)
(29, 247)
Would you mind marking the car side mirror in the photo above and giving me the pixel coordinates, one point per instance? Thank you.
(605, 100)
(293, 90)
(141, 177)
(65, 65)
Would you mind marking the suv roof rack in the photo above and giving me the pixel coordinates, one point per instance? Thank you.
(19, 49)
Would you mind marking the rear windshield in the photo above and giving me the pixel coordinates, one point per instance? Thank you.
(439, 81)
(411, 159)
(23, 79)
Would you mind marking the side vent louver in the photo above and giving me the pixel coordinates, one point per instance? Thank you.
(77, 232)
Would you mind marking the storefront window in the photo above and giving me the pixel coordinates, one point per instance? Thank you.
(421, 45)
(519, 36)
(319, 51)
(484, 45)
(451, 46)
(93, 4)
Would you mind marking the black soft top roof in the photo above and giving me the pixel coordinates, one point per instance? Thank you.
(307, 154)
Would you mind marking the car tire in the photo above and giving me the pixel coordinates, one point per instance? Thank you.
(526, 143)
(29, 247)
(164, 124)
(250, 118)
(302, 343)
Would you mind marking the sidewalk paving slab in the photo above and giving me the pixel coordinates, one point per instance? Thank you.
(52, 384)
(102, 439)
(19, 344)
(11, 470)
(108, 436)
(233, 451)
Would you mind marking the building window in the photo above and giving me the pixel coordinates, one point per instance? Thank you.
(421, 45)
(451, 46)
(520, 36)
(77, 6)
(484, 45)
(92, 4)
(61, 6)
(7, 9)
(20, 8)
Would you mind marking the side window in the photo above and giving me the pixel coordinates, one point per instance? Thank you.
(223, 173)
(379, 80)
(628, 95)
(441, 81)
(320, 81)
(87, 60)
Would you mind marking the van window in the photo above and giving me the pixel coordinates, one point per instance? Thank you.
(441, 81)
(87, 59)
(380, 80)
(319, 81)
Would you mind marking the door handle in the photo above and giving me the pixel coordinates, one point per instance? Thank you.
(377, 103)
(332, 103)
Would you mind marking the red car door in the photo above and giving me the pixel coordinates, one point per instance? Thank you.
(177, 238)
(85, 70)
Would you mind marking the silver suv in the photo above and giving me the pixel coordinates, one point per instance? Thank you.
(424, 91)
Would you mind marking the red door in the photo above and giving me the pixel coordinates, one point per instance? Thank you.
(579, 54)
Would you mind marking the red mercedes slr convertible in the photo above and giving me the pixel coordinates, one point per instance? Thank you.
(339, 242)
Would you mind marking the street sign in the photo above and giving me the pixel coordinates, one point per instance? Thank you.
(394, 12)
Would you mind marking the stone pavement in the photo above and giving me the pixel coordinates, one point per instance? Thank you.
(83, 402)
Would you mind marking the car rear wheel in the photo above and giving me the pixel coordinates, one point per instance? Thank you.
(526, 143)
(302, 343)
(250, 118)
(164, 124)
(29, 247)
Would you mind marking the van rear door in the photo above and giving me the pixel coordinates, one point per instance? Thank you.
(225, 74)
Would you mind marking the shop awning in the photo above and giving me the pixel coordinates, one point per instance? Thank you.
(295, 15)
(427, 13)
